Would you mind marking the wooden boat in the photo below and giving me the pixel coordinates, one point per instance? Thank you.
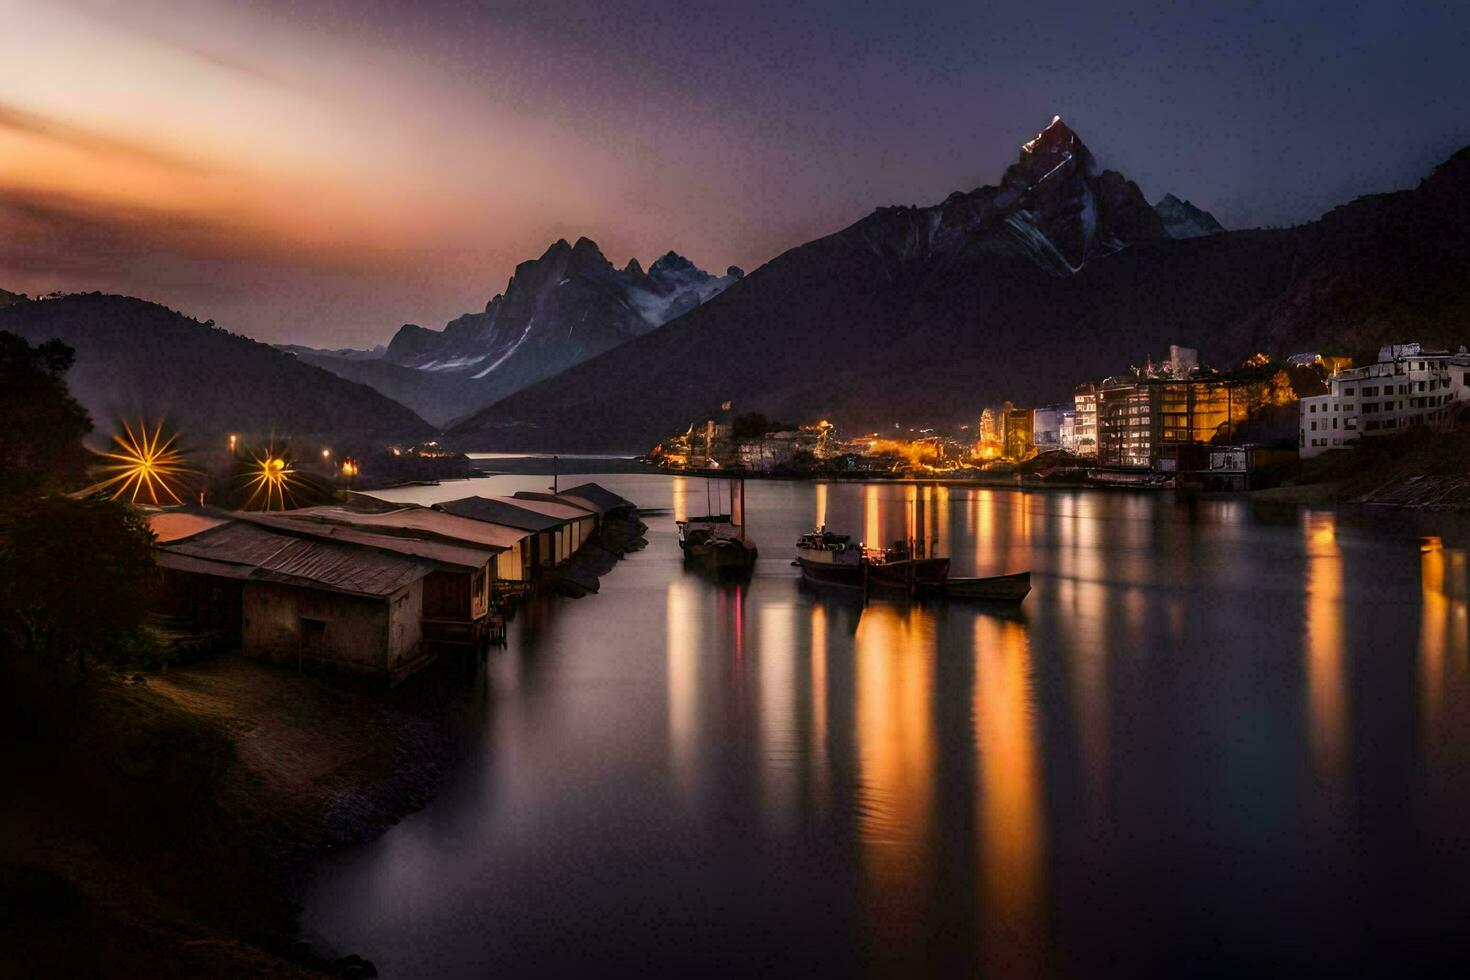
(996, 588)
(718, 541)
(834, 560)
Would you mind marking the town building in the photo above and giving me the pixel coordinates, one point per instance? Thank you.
(1406, 387)
(1046, 429)
(1019, 432)
(1084, 402)
(1142, 421)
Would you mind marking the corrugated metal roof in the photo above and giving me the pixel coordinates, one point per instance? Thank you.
(600, 496)
(463, 556)
(171, 525)
(498, 510)
(202, 566)
(274, 556)
(425, 520)
(563, 511)
(355, 570)
(235, 543)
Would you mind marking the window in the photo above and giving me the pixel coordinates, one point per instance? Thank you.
(1312, 408)
(1349, 391)
(1371, 425)
(1334, 423)
(1373, 390)
(1314, 425)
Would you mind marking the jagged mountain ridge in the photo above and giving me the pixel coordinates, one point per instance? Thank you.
(139, 359)
(1182, 219)
(569, 304)
(1018, 291)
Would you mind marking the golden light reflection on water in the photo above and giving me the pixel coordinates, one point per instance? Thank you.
(1327, 696)
(872, 516)
(894, 667)
(680, 490)
(1011, 816)
(1442, 629)
(682, 655)
(821, 497)
(819, 701)
(780, 738)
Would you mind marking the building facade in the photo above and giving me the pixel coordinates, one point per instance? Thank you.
(1084, 403)
(1405, 388)
(1145, 421)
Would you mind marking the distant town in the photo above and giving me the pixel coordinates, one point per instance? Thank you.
(1172, 423)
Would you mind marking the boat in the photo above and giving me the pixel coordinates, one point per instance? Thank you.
(995, 588)
(718, 542)
(830, 559)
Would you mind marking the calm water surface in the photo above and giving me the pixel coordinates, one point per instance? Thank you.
(1215, 740)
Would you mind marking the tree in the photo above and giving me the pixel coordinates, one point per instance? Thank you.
(74, 576)
(41, 424)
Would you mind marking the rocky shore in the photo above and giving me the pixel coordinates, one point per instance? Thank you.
(163, 825)
(617, 537)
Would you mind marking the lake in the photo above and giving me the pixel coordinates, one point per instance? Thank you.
(1217, 738)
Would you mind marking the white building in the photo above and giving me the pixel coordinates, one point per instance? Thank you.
(1407, 387)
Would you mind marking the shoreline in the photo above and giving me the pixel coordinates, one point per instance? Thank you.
(248, 773)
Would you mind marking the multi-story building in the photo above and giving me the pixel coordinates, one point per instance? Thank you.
(1125, 422)
(1046, 429)
(1085, 404)
(1069, 431)
(1143, 421)
(1407, 386)
(1020, 442)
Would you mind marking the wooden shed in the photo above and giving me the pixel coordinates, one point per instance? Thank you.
(312, 602)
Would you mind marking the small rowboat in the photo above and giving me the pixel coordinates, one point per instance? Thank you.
(996, 588)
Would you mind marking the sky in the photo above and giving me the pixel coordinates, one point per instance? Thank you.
(322, 172)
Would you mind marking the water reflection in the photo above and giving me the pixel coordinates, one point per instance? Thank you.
(1011, 818)
(1326, 680)
(1442, 627)
(681, 671)
(679, 488)
(693, 776)
(780, 737)
(894, 667)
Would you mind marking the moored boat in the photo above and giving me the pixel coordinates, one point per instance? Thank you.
(832, 559)
(995, 588)
(718, 541)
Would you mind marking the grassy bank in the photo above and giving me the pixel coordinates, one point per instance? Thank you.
(1382, 468)
(162, 825)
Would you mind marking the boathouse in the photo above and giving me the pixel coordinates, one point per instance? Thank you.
(457, 592)
(302, 600)
(551, 534)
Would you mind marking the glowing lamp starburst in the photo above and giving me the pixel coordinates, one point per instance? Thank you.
(143, 465)
(270, 482)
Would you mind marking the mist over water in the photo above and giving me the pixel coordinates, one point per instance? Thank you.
(1215, 738)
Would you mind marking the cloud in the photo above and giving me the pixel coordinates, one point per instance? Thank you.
(92, 141)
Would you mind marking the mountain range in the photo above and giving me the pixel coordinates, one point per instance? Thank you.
(1061, 273)
(1183, 220)
(138, 360)
(557, 311)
